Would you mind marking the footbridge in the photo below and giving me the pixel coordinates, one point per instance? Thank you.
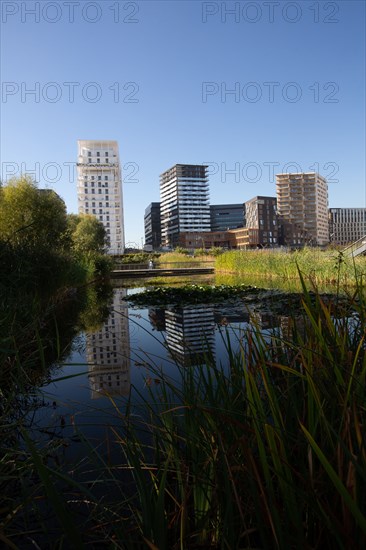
(122, 271)
(356, 248)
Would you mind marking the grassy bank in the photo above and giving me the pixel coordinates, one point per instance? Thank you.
(322, 267)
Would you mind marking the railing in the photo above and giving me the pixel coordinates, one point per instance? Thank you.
(167, 265)
(356, 248)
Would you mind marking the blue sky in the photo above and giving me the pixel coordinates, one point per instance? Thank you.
(157, 76)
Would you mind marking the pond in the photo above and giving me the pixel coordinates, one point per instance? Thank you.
(115, 363)
(105, 428)
(89, 390)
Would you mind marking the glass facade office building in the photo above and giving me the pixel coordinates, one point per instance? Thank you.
(184, 202)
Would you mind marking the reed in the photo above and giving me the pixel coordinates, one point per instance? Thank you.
(321, 266)
(265, 452)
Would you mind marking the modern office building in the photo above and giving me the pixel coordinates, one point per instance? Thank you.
(227, 216)
(302, 200)
(184, 202)
(347, 225)
(261, 221)
(152, 225)
(99, 188)
(261, 228)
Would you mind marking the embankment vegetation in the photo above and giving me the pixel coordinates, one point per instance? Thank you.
(45, 255)
(321, 266)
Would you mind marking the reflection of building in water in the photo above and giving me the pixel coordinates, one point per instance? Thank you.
(108, 352)
(190, 334)
(157, 318)
(227, 315)
(263, 320)
(291, 326)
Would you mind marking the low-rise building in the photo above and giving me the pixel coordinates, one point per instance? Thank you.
(227, 216)
(205, 239)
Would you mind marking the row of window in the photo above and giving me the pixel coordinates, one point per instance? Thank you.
(93, 206)
(92, 191)
(106, 160)
(92, 184)
(107, 348)
(101, 385)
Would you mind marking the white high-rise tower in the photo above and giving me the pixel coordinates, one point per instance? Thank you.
(100, 188)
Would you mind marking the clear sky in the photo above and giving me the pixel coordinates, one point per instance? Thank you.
(157, 77)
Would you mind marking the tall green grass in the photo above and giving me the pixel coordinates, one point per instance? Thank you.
(269, 453)
(321, 266)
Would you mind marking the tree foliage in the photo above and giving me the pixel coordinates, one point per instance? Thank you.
(87, 234)
(30, 216)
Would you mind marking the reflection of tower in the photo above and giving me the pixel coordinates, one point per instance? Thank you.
(291, 326)
(263, 320)
(190, 334)
(108, 352)
(157, 318)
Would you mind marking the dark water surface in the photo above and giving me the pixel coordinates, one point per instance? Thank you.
(89, 391)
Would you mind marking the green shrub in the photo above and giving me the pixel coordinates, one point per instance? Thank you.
(181, 250)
